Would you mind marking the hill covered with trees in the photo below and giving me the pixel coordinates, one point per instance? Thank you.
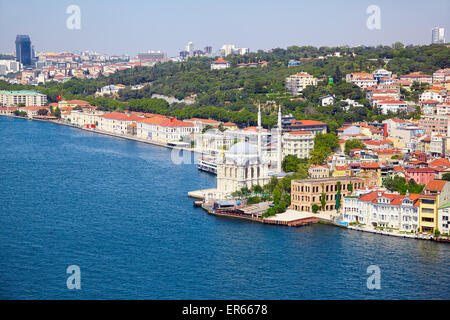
(233, 94)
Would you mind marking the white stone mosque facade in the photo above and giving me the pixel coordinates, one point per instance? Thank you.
(243, 164)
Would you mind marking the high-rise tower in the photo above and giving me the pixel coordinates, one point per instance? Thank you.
(23, 49)
(437, 35)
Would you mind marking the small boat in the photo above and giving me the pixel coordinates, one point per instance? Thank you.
(207, 165)
(198, 203)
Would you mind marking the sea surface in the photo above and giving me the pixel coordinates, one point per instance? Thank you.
(119, 210)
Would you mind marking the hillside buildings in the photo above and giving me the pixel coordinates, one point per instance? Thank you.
(298, 143)
(297, 82)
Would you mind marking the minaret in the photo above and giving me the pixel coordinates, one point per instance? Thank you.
(279, 156)
(259, 131)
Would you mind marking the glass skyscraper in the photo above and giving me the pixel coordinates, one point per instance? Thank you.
(23, 49)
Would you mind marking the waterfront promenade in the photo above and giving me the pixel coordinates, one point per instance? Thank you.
(286, 218)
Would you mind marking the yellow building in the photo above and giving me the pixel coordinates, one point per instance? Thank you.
(435, 193)
(73, 103)
(342, 171)
(397, 143)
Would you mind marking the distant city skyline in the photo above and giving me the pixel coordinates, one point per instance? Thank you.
(116, 28)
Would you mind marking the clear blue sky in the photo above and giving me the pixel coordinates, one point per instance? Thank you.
(131, 26)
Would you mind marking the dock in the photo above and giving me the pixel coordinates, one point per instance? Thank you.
(254, 213)
(293, 218)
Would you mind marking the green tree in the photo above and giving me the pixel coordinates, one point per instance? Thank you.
(290, 163)
(57, 113)
(446, 176)
(324, 144)
(315, 208)
(276, 195)
(350, 188)
(353, 144)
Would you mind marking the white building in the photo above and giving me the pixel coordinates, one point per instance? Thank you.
(116, 122)
(364, 83)
(381, 73)
(441, 75)
(443, 224)
(213, 142)
(9, 66)
(27, 97)
(391, 105)
(110, 89)
(327, 100)
(352, 103)
(437, 145)
(220, 64)
(241, 167)
(380, 209)
(297, 82)
(431, 95)
(298, 143)
(83, 118)
(437, 35)
(32, 110)
(165, 130)
(228, 49)
(190, 47)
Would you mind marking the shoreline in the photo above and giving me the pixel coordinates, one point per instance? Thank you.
(236, 216)
(106, 133)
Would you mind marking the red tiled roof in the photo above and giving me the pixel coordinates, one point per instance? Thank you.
(153, 120)
(121, 116)
(391, 102)
(173, 122)
(370, 196)
(202, 120)
(430, 101)
(77, 102)
(420, 170)
(308, 122)
(33, 108)
(220, 60)
(435, 185)
(370, 165)
(442, 162)
(300, 132)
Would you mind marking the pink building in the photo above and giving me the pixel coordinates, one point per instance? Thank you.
(420, 175)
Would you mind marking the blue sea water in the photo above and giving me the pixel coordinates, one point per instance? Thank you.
(119, 210)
